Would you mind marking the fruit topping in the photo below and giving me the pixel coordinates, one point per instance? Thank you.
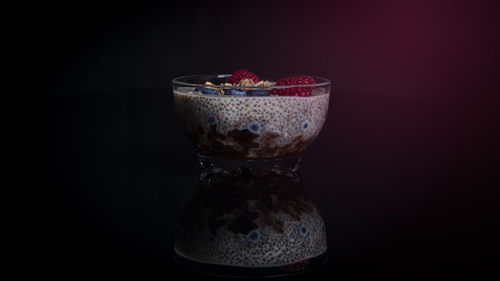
(234, 92)
(207, 91)
(258, 93)
(295, 91)
(239, 75)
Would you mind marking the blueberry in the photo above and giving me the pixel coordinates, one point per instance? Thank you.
(258, 93)
(254, 127)
(207, 91)
(303, 230)
(212, 239)
(305, 125)
(253, 236)
(233, 92)
(212, 120)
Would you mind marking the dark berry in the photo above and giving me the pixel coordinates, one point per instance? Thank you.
(254, 127)
(212, 120)
(233, 92)
(258, 93)
(254, 236)
(207, 91)
(303, 230)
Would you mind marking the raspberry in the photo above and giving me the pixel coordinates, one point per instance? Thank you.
(295, 91)
(239, 75)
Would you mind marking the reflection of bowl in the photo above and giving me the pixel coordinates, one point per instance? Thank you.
(249, 222)
(249, 127)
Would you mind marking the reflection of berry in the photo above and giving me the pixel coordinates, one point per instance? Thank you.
(254, 236)
(303, 230)
(295, 91)
(239, 75)
(296, 266)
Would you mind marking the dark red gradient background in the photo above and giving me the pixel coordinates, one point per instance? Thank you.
(405, 170)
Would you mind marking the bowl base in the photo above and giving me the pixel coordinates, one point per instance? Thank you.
(249, 272)
(283, 166)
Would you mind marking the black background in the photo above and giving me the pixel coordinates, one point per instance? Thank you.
(405, 170)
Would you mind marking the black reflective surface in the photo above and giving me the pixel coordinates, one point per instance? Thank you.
(117, 172)
(404, 172)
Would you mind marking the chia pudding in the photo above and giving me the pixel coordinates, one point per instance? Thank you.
(250, 121)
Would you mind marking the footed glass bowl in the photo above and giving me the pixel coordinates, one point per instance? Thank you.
(255, 126)
(250, 216)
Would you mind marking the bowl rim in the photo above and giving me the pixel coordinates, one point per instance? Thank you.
(176, 81)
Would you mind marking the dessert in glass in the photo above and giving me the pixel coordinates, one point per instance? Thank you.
(250, 133)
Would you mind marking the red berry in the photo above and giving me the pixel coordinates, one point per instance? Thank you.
(239, 75)
(295, 91)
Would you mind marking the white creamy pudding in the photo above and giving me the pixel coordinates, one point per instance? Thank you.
(251, 127)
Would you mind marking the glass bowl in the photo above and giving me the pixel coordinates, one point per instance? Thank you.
(258, 125)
